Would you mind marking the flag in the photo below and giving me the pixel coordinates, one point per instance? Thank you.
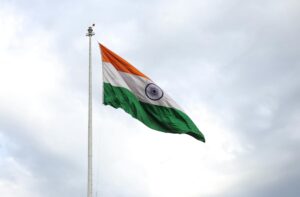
(126, 87)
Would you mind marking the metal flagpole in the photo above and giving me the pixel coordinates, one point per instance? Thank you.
(90, 174)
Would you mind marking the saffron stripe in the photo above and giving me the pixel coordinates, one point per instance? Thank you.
(118, 62)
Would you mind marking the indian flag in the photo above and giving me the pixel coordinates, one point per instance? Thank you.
(126, 87)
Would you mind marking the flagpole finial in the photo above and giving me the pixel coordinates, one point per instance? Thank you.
(90, 30)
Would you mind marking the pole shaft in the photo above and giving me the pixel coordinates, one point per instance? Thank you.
(90, 139)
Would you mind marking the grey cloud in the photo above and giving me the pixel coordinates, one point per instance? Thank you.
(53, 174)
(238, 58)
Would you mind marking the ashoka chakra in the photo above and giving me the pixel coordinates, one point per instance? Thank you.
(153, 92)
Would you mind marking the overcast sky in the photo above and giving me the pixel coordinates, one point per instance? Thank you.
(233, 66)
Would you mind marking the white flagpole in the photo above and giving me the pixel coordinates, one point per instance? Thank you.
(90, 174)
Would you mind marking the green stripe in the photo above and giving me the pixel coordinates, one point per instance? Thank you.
(160, 118)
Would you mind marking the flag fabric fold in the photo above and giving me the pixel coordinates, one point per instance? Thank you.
(126, 87)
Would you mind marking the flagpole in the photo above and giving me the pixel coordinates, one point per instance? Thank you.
(90, 174)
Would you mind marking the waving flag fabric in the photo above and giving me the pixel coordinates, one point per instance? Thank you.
(126, 87)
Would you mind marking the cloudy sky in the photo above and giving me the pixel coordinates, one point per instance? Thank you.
(233, 65)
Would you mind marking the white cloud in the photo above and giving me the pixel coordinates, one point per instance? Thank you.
(232, 66)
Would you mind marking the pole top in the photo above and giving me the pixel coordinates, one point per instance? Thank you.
(90, 31)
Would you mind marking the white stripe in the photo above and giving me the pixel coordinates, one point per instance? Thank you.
(135, 84)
